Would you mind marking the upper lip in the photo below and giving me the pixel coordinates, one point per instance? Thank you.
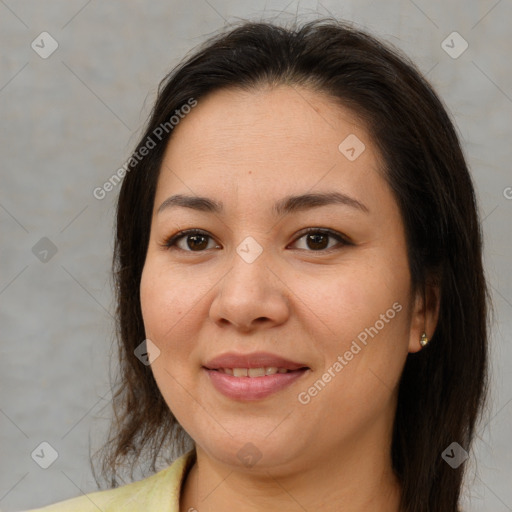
(253, 360)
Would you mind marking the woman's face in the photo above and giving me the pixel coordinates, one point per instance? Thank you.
(272, 164)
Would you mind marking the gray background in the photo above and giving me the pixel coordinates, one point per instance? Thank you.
(68, 123)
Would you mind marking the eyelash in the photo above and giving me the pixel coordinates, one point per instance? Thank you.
(170, 243)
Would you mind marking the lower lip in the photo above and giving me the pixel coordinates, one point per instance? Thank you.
(252, 388)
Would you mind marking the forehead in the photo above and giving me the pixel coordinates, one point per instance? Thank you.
(273, 117)
(268, 141)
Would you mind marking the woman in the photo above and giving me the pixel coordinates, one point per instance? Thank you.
(302, 308)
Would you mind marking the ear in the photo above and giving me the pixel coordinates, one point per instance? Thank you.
(425, 314)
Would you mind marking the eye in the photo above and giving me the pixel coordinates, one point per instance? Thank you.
(313, 239)
(191, 240)
(316, 239)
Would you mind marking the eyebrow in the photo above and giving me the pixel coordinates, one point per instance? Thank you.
(287, 205)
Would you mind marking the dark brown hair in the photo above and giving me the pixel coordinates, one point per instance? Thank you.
(443, 387)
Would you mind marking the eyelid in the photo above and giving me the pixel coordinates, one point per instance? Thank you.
(343, 240)
(170, 242)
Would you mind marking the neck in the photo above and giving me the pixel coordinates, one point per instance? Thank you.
(348, 480)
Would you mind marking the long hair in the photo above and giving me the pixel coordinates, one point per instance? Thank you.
(443, 387)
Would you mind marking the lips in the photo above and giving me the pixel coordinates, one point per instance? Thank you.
(255, 376)
(254, 360)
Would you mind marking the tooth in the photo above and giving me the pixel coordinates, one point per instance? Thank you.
(253, 372)
(256, 372)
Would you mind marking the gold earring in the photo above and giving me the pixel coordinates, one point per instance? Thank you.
(424, 340)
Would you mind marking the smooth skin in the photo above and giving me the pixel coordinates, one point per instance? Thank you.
(304, 298)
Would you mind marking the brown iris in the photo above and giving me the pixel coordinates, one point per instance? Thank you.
(317, 240)
(197, 242)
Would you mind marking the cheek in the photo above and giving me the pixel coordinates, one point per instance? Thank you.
(164, 304)
(168, 315)
(352, 298)
(361, 314)
(174, 309)
(153, 297)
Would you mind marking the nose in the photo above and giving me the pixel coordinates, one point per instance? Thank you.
(250, 296)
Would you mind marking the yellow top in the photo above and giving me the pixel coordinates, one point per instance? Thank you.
(159, 492)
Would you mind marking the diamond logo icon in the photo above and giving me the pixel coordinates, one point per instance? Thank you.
(44, 45)
(249, 249)
(44, 250)
(454, 45)
(249, 455)
(351, 147)
(44, 455)
(147, 352)
(454, 455)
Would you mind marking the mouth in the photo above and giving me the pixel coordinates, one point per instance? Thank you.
(255, 372)
(256, 364)
(250, 377)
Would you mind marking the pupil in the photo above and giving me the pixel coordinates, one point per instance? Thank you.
(316, 241)
(196, 242)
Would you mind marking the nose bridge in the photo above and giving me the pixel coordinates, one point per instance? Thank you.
(250, 266)
(249, 291)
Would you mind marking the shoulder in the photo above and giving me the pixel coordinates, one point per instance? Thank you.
(162, 488)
